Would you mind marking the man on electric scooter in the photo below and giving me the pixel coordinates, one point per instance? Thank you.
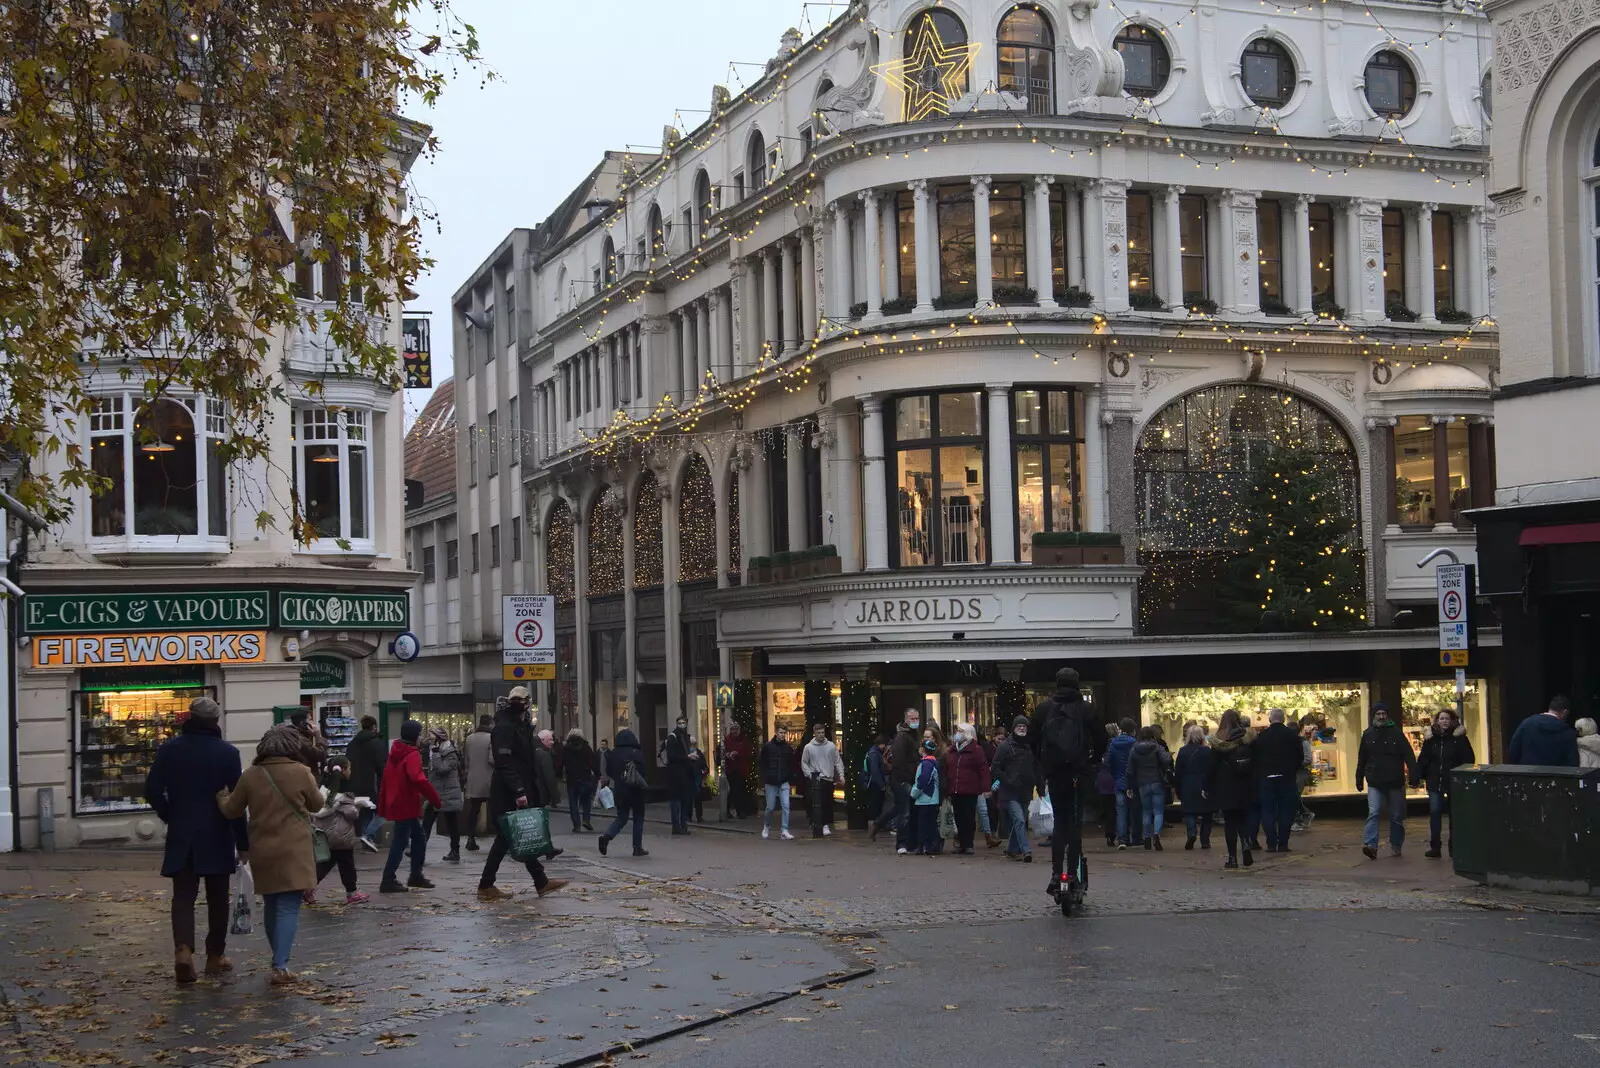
(1068, 738)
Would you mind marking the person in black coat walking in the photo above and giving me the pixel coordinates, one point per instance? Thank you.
(368, 754)
(1446, 747)
(1233, 782)
(1193, 770)
(625, 773)
(202, 844)
(1279, 757)
(1014, 784)
(777, 770)
(581, 776)
(1383, 764)
(515, 786)
(679, 776)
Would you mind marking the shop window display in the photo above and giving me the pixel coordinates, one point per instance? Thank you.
(118, 733)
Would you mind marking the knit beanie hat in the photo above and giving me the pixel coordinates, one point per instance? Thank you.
(411, 731)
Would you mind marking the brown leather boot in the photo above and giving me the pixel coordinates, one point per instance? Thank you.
(183, 965)
(217, 964)
(551, 887)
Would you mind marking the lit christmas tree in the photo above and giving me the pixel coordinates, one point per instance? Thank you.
(1299, 566)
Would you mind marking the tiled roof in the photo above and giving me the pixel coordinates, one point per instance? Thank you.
(431, 443)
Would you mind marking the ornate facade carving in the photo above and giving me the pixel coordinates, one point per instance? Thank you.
(1526, 43)
(1341, 383)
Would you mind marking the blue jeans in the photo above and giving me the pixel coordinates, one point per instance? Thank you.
(776, 796)
(372, 825)
(630, 805)
(1122, 815)
(280, 915)
(1280, 796)
(1438, 805)
(1152, 803)
(1019, 828)
(1395, 796)
(580, 796)
(1198, 825)
(406, 832)
(983, 816)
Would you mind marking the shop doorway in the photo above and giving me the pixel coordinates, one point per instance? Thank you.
(326, 691)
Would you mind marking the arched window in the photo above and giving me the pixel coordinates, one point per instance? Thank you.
(658, 234)
(1203, 465)
(647, 558)
(1591, 219)
(1390, 85)
(560, 575)
(608, 262)
(1267, 71)
(697, 524)
(1027, 59)
(704, 206)
(563, 298)
(756, 161)
(605, 543)
(1146, 63)
(821, 119)
(164, 467)
(1486, 95)
(937, 62)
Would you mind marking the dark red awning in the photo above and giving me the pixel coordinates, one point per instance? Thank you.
(1560, 534)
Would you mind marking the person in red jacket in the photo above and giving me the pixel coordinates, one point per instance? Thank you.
(401, 792)
(736, 756)
(967, 773)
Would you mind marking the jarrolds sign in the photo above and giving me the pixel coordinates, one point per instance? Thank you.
(881, 610)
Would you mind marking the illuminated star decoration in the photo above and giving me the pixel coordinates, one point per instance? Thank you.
(932, 75)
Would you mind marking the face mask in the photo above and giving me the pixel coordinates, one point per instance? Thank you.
(912, 724)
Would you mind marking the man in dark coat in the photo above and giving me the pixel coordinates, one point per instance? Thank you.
(1068, 737)
(1384, 764)
(680, 798)
(904, 756)
(515, 786)
(1546, 739)
(777, 769)
(368, 754)
(1279, 757)
(201, 843)
(630, 798)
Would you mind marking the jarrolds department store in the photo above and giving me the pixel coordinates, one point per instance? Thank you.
(105, 677)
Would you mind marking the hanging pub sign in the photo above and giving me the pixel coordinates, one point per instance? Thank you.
(418, 350)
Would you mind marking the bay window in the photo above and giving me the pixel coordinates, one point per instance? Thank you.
(1008, 236)
(1443, 268)
(1394, 258)
(1324, 265)
(1434, 463)
(1047, 436)
(1269, 230)
(957, 251)
(1192, 251)
(333, 474)
(937, 495)
(163, 462)
(1141, 287)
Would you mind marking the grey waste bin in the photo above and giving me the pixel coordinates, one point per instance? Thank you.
(1527, 827)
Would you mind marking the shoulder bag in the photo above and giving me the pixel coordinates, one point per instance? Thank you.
(321, 851)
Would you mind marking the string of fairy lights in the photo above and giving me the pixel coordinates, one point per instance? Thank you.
(672, 424)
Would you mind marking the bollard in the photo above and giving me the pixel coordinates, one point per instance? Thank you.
(47, 819)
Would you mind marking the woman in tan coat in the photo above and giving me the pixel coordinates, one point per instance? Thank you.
(279, 793)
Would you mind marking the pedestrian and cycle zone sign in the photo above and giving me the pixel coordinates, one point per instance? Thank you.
(1453, 585)
(528, 637)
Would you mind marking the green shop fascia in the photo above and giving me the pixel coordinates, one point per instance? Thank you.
(81, 612)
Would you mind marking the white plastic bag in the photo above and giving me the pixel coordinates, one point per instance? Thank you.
(244, 894)
(603, 798)
(1042, 817)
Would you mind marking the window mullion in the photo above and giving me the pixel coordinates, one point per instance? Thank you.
(344, 480)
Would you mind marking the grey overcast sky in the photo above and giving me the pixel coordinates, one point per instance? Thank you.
(575, 79)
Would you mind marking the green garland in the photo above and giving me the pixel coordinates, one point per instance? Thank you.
(744, 714)
(860, 725)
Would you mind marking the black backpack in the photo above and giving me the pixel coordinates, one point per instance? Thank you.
(1064, 743)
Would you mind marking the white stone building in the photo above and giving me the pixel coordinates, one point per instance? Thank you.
(947, 278)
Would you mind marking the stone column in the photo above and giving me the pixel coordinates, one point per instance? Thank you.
(843, 289)
(872, 242)
(1243, 251)
(998, 492)
(719, 495)
(702, 342)
(1040, 276)
(713, 343)
(983, 268)
(755, 500)
(738, 315)
(1216, 266)
(1366, 263)
(888, 243)
(808, 284)
(788, 306)
(580, 581)
(1475, 290)
(1169, 257)
(671, 595)
(1094, 461)
(772, 333)
(1121, 491)
(729, 369)
(846, 484)
(1427, 304)
(676, 372)
(630, 603)
(922, 224)
(1109, 240)
(822, 439)
(1073, 221)
(794, 457)
(874, 495)
(1300, 238)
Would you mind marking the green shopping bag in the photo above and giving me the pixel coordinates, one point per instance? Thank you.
(527, 832)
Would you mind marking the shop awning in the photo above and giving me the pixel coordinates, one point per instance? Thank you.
(1560, 534)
